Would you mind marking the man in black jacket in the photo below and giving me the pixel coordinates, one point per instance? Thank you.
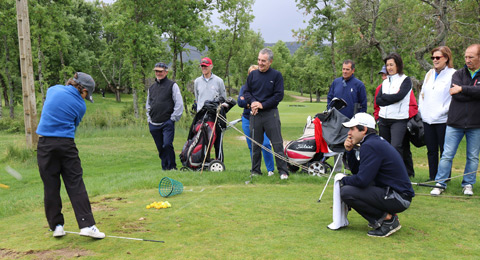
(463, 120)
(264, 91)
(164, 107)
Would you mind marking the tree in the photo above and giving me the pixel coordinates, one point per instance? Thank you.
(323, 25)
(236, 16)
(182, 23)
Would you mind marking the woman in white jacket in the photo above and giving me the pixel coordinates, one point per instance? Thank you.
(434, 102)
(394, 100)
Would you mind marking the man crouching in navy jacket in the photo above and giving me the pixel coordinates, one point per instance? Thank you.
(379, 187)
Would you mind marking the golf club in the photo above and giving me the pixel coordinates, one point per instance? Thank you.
(129, 238)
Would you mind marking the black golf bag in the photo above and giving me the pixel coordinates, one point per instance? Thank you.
(204, 134)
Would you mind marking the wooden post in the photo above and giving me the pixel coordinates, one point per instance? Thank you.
(26, 64)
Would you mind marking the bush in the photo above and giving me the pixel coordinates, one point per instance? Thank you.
(22, 154)
(12, 126)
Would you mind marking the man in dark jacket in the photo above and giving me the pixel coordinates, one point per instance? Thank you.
(380, 187)
(264, 91)
(164, 107)
(350, 89)
(463, 120)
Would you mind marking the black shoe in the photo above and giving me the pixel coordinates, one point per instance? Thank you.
(387, 228)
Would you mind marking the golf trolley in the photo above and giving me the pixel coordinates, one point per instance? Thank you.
(206, 130)
(322, 138)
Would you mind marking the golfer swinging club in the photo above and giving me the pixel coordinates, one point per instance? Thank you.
(379, 187)
(57, 154)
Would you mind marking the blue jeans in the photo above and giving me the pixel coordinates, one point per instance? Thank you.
(163, 136)
(453, 137)
(267, 156)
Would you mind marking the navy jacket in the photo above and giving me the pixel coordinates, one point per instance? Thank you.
(353, 93)
(378, 163)
(264, 87)
(243, 103)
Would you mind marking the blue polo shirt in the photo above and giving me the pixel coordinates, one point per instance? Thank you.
(62, 112)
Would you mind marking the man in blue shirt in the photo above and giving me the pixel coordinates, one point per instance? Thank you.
(350, 89)
(379, 187)
(264, 91)
(57, 154)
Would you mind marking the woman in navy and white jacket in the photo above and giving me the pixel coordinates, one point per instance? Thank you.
(394, 101)
(434, 102)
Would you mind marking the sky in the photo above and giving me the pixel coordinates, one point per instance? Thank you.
(274, 19)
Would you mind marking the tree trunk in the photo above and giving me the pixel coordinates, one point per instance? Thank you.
(65, 77)
(9, 80)
(332, 47)
(40, 70)
(442, 31)
(318, 96)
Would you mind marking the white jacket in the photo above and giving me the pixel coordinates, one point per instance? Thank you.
(435, 97)
(398, 110)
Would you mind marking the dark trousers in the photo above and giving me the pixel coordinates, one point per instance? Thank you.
(434, 139)
(267, 122)
(59, 157)
(395, 132)
(371, 204)
(407, 155)
(163, 136)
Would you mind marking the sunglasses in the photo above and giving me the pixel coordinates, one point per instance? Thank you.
(436, 57)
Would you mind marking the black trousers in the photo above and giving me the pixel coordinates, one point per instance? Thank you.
(371, 202)
(395, 132)
(59, 157)
(268, 122)
(434, 140)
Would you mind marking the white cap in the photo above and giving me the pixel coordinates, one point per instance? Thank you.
(361, 119)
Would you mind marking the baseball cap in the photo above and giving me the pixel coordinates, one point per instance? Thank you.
(361, 119)
(383, 70)
(159, 66)
(206, 61)
(87, 82)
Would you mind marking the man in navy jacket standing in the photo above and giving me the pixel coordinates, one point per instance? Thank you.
(264, 91)
(379, 187)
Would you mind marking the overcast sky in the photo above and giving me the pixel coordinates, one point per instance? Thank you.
(274, 19)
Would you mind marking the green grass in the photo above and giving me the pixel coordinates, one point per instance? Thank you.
(217, 216)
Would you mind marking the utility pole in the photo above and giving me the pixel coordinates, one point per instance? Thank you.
(26, 64)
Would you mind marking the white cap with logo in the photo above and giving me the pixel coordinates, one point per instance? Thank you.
(363, 119)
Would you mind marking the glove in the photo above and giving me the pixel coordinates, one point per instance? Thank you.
(339, 176)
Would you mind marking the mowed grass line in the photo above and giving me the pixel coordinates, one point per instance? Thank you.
(251, 222)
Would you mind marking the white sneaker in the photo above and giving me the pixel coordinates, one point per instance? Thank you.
(270, 173)
(59, 232)
(436, 191)
(92, 232)
(468, 190)
(284, 176)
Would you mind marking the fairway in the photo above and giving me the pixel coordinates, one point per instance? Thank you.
(218, 216)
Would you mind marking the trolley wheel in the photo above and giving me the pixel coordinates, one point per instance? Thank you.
(292, 168)
(185, 169)
(319, 169)
(216, 166)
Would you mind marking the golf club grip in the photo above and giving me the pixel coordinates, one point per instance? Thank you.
(150, 240)
(431, 186)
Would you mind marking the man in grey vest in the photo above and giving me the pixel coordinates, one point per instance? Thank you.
(164, 108)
